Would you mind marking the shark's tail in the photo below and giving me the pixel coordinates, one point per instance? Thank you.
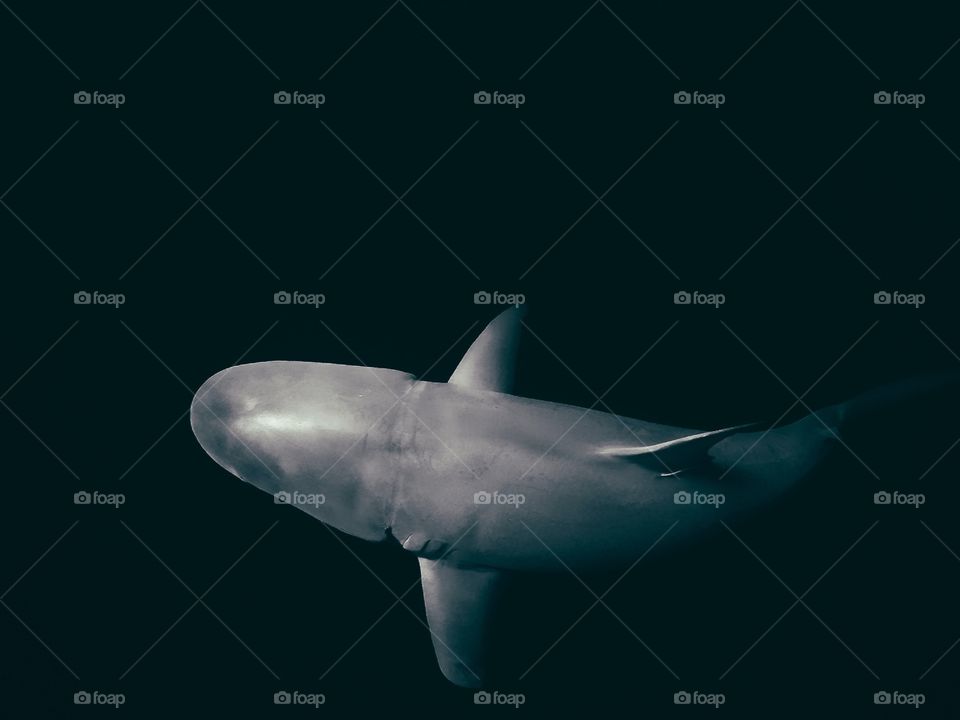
(881, 403)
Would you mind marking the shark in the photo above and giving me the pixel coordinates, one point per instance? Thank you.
(481, 484)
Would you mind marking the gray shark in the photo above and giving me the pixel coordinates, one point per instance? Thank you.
(479, 483)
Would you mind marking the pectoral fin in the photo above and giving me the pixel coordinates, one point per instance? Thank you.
(461, 604)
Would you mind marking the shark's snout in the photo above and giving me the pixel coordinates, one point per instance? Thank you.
(211, 417)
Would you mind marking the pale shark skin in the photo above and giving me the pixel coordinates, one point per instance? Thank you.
(394, 457)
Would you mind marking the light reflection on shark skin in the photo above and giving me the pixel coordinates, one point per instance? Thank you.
(478, 482)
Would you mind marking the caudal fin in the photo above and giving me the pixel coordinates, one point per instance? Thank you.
(875, 405)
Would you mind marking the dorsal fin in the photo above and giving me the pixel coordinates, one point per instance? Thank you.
(672, 456)
(490, 363)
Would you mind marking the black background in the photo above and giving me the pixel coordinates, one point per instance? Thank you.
(105, 408)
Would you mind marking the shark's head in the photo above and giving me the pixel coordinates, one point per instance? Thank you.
(315, 435)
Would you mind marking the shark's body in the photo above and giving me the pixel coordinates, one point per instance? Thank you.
(478, 482)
